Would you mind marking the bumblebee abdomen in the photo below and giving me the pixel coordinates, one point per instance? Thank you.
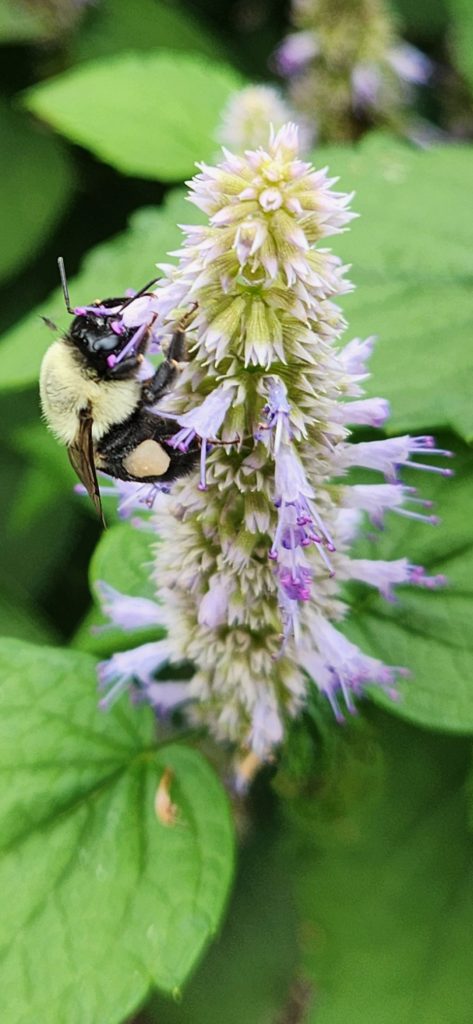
(139, 450)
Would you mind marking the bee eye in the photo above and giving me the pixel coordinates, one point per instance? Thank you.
(106, 344)
(96, 336)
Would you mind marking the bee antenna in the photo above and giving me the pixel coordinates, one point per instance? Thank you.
(65, 289)
(142, 291)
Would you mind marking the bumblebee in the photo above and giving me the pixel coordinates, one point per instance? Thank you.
(95, 403)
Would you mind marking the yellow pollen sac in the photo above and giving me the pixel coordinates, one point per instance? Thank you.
(148, 459)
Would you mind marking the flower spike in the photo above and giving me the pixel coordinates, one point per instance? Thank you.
(249, 563)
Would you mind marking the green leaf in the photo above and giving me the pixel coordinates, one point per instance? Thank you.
(100, 900)
(424, 19)
(150, 115)
(38, 549)
(36, 181)
(386, 892)
(117, 25)
(462, 36)
(429, 632)
(46, 475)
(123, 262)
(469, 797)
(246, 976)
(412, 262)
(123, 559)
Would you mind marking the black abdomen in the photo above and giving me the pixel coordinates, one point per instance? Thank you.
(117, 451)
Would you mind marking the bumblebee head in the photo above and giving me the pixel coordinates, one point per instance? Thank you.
(99, 333)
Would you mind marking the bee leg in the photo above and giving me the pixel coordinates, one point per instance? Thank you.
(176, 355)
(177, 352)
(124, 369)
(155, 386)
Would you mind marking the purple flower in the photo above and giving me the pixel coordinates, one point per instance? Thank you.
(295, 52)
(204, 422)
(376, 499)
(355, 356)
(99, 311)
(296, 581)
(131, 496)
(126, 612)
(266, 726)
(384, 575)
(371, 412)
(410, 64)
(294, 497)
(141, 310)
(214, 604)
(135, 667)
(299, 527)
(131, 346)
(367, 83)
(340, 669)
(277, 428)
(387, 456)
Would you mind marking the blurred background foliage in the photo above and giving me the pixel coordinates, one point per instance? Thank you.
(104, 107)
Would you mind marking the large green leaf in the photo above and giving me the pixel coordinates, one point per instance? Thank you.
(123, 262)
(150, 115)
(385, 890)
(100, 900)
(39, 531)
(462, 36)
(36, 182)
(412, 261)
(117, 25)
(46, 475)
(429, 632)
(123, 559)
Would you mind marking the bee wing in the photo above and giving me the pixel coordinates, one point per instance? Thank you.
(81, 457)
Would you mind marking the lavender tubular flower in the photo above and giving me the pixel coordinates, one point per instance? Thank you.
(136, 666)
(126, 612)
(385, 575)
(131, 497)
(204, 422)
(295, 52)
(376, 499)
(247, 573)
